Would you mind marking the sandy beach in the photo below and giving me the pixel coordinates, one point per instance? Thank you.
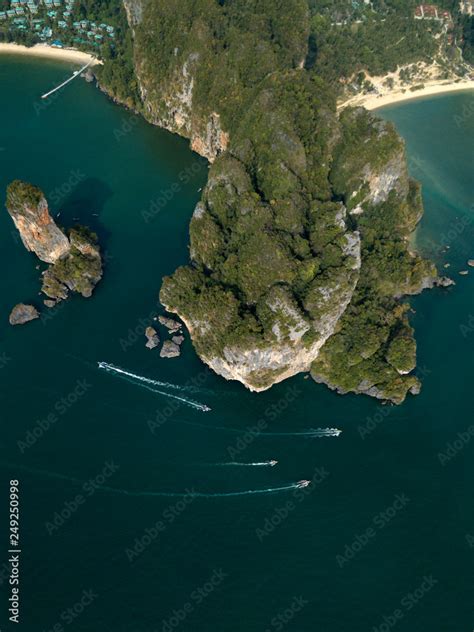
(374, 101)
(43, 50)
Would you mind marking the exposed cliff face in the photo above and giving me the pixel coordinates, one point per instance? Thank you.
(29, 210)
(176, 48)
(76, 262)
(169, 104)
(134, 9)
(292, 337)
(207, 136)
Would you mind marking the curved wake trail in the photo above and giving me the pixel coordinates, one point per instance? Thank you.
(193, 494)
(116, 369)
(125, 492)
(147, 383)
(239, 464)
(313, 433)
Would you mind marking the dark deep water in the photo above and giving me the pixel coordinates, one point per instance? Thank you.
(379, 542)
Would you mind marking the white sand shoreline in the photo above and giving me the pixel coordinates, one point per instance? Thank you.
(43, 50)
(373, 102)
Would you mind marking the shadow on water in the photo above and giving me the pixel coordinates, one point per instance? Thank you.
(84, 206)
(85, 203)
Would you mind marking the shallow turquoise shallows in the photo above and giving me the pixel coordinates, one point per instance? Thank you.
(129, 522)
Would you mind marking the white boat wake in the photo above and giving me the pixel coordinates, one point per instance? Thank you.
(193, 494)
(313, 433)
(159, 494)
(116, 369)
(271, 463)
(327, 432)
(148, 383)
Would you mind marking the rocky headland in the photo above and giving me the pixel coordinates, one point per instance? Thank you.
(300, 244)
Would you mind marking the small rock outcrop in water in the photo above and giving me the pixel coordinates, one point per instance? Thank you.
(152, 338)
(22, 314)
(170, 324)
(178, 340)
(74, 258)
(30, 213)
(444, 282)
(170, 350)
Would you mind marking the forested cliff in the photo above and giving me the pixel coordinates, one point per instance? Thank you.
(299, 245)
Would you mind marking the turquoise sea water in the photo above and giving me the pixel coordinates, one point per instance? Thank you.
(380, 541)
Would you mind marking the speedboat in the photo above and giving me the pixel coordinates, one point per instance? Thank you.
(272, 463)
(328, 432)
(303, 483)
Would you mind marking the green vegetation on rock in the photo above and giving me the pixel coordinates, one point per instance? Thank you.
(228, 48)
(21, 194)
(79, 271)
(299, 245)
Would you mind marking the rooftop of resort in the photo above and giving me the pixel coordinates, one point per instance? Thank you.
(53, 21)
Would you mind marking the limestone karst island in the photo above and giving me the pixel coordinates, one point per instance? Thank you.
(74, 258)
(238, 315)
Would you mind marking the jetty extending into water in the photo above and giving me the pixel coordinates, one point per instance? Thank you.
(75, 74)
